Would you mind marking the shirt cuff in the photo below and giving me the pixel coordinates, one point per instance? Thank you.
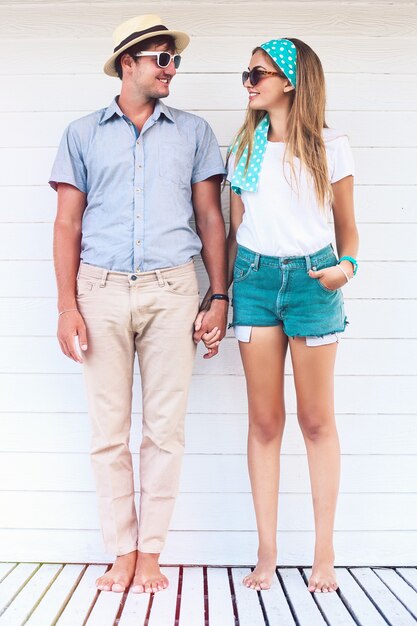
(203, 175)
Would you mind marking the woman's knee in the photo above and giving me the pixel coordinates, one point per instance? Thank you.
(266, 427)
(316, 424)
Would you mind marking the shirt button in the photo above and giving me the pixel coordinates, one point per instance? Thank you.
(138, 189)
(138, 242)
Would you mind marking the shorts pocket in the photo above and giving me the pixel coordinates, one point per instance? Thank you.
(241, 270)
(330, 261)
(320, 284)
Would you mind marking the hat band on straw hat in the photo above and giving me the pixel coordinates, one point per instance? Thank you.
(139, 34)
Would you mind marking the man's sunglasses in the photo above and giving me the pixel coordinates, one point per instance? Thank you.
(163, 59)
(256, 75)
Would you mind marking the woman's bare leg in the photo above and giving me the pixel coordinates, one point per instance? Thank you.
(314, 383)
(263, 361)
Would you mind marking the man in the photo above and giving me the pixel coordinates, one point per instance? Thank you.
(128, 179)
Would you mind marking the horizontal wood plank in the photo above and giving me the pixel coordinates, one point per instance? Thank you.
(396, 357)
(209, 473)
(212, 512)
(374, 204)
(379, 242)
(389, 434)
(60, 21)
(373, 166)
(295, 548)
(365, 129)
(214, 54)
(86, 93)
(354, 394)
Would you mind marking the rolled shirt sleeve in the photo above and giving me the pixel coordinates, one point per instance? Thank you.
(208, 159)
(69, 166)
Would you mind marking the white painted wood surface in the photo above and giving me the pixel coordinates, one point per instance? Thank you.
(222, 601)
(51, 57)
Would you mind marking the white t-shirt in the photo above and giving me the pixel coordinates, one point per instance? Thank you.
(283, 218)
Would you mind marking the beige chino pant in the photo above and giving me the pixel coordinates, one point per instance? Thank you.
(151, 314)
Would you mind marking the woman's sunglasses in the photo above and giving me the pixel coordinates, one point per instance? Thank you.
(256, 75)
(163, 59)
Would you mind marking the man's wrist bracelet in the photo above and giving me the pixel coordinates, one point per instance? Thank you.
(66, 311)
(219, 296)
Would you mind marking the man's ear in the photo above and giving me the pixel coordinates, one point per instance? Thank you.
(127, 61)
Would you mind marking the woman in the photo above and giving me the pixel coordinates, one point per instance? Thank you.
(288, 171)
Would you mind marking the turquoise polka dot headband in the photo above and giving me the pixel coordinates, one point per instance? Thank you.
(284, 53)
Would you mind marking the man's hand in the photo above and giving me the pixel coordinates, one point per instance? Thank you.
(210, 326)
(71, 325)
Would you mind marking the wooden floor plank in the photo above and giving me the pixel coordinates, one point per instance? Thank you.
(399, 588)
(105, 609)
(56, 597)
(219, 597)
(332, 607)
(11, 585)
(409, 574)
(356, 599)
(35, 595)
(135, 609)
(165, 602)
(247, 601)
(301, 599)
(192, 597)
(24, 603)
(81, 600)
(276, 605)
(5, 569)
(390, 607)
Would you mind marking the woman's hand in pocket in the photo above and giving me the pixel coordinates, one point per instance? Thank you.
(331, 278)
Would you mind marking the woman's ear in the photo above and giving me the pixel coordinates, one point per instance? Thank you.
(289, 87)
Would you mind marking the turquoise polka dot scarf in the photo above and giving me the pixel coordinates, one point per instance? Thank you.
(284, 53)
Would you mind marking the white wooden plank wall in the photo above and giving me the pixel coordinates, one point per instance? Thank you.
(51, 55)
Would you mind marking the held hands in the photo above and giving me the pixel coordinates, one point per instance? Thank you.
(210, 326)
(71, 325)
(332, 277)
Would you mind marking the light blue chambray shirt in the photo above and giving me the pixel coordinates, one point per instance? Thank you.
(138, 187)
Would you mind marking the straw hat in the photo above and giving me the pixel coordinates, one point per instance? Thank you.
(137, 29)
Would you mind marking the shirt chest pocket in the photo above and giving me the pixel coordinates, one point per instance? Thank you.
(175, 160)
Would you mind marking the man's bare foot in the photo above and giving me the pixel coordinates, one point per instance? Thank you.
(262, 575)
(323, 578)
(119, 576)
(148, 576)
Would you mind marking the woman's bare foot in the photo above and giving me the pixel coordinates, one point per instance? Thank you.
(148, 576)
(323, 577)
(119, 576)
(262, 575)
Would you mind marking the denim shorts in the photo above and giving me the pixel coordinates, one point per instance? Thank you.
(269, 291)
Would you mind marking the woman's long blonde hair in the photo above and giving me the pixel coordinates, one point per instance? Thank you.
(305, 123)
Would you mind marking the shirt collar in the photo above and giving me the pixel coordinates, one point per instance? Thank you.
(114, 109)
